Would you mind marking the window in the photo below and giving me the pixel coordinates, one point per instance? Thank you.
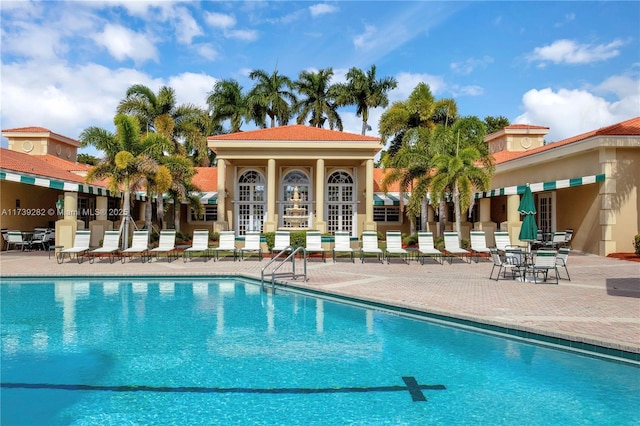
(250, 207)
(386, 213)
(210, 214)
(340, 202)
(291, 181)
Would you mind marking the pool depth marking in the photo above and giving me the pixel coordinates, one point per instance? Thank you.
(415, 389)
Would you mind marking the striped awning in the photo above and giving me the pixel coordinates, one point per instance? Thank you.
(542, 186)
(61, 185)
(389, 198)
(209, 197)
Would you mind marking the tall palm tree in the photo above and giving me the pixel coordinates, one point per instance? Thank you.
(127, 160)
(227, 102)
(319, 99)
(182, 187)
(463, 164)
(365, 92)
(143, 103)
(271, 96)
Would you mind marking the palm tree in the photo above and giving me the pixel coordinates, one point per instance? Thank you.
(365, 92)
(127, 162)
(272, 96)
(319, 100)
(226, 102)
(182, 187)
(141, 102)
(463, 165)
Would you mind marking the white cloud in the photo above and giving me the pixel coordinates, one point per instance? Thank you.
(219, 20)
(571, 52)
(466, 67)
(186, 26)
(571, 112)
(192, 88)
(123, 43)
(207, 51)
(246, 35)
(407, 82)
(366, 40)
(569, 17)
(322, 9)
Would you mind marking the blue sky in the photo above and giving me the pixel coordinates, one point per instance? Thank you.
(571, 66)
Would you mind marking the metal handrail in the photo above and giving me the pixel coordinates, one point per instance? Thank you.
(291, 257)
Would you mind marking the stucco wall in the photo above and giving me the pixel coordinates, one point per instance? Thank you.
(35, 203)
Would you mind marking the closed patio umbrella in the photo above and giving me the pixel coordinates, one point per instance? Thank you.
(527, 208)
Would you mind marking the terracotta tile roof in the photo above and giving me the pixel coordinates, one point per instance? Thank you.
(378, 175)
(206, 178)
(629, 127)
(525, 126)
(69, 166)
(296, 132)
(39, 165)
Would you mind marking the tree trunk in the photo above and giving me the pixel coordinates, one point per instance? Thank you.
(442, 217)
(148, 212)
(126, 213)
(456, 207)
(160, 211)
(176, 214)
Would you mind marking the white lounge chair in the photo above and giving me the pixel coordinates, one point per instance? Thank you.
(110, 247)
(43, 239)
(79, 249)
(139, 246)
(15, 239)
(452, 247)
(200, 244)
(426, 248)
(342, 244)
(251, 245)
(479, 244)
(313, 243)
(226, 243)
(370, 246)
(558, 240)
(281, 243)
(166, 245)
(394, 247)
(502, 240)
(544, 260)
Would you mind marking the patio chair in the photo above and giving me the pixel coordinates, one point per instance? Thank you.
(452, 247)
(42, 240)
(110, 247)
(166, 245)
(5, 238)
(558, 240)
(561, 260)
(370, 246)
(568, 235)
(479, 244)
(502, 265)
(251, 245)
(282, 242)
(79, 249)
(15, 239)
(544, 260)
(199, 244)
(139, 246)
(394, 247)
(515, 260)
(502, 240)
(226, 243)
(426, 248)
(313, 244)
(342, 244)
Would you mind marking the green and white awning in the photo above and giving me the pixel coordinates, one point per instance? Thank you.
(390, 198)
(209, 198)
(59, 184)
(542, 186)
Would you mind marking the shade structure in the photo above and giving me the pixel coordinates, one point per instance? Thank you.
(527, 208)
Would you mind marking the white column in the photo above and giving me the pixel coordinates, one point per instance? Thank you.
(271, 196)
(222, 185)
(320, 224)
(369, 224)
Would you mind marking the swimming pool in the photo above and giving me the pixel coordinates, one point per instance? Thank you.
(221, 351)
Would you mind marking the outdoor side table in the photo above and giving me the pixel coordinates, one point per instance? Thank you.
(53, 248)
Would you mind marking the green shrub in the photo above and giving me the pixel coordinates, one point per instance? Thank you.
(438, 242)
(465, 244)
(214, 236)
(636, 244)
(410, 240)
(296, 238)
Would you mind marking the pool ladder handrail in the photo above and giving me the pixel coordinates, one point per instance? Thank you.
(292, 256)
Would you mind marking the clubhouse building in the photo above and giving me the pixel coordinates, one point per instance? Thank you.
(298, 177)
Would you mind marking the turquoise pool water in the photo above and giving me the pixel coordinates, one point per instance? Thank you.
(195, 352)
